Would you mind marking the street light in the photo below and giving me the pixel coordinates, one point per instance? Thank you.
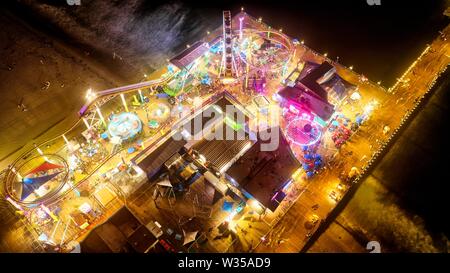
(124, 102)
(100, 115)
(140, 95)
(90, 95)
(86, 123)
(67, 142)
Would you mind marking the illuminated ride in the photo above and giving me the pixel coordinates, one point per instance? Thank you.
(125, 126)
(303, 131)
(54, 188)
(40, 180)
(26, 189)
(228, 69)
(265, 50)
(159, 111)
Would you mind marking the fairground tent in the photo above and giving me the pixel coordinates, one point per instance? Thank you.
(33, 180)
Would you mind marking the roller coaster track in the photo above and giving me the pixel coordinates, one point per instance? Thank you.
(100, 98)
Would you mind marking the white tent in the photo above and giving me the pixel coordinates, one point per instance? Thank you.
(75, 246)
(165, 183)
(189, 237)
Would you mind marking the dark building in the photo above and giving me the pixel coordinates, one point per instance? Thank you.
(185, 58)
(263, 174)
(307, 100)
(121, 233)
(316, 88)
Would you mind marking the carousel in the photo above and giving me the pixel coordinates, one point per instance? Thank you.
(124, 126)
(39, 180)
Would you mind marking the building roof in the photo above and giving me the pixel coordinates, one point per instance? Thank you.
(190, 54)
(122, 232)
(142, 239)
(307, 68)
(310, 80)
(214, 111)
(308, 93)
(338, 87)
(304, 98)
(151, 162)
(220, 152)
(95, 243)
(263, 174)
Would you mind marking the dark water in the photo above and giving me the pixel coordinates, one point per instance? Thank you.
(416, 167)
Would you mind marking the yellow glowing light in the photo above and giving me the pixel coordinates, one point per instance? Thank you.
(101, 116)
(124, 102)
(228, 80)
(86, 123)
(65, 139)
(351, 67)
(232, 225)
(255, 204)
(326, 54)
(17, 173)
(230, 216)
(409, 69)
(296, 173)
(197, 101)
(17, 206)
(53, 216)
(90, 95)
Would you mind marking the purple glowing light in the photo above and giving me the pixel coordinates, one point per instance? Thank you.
(303, 131)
